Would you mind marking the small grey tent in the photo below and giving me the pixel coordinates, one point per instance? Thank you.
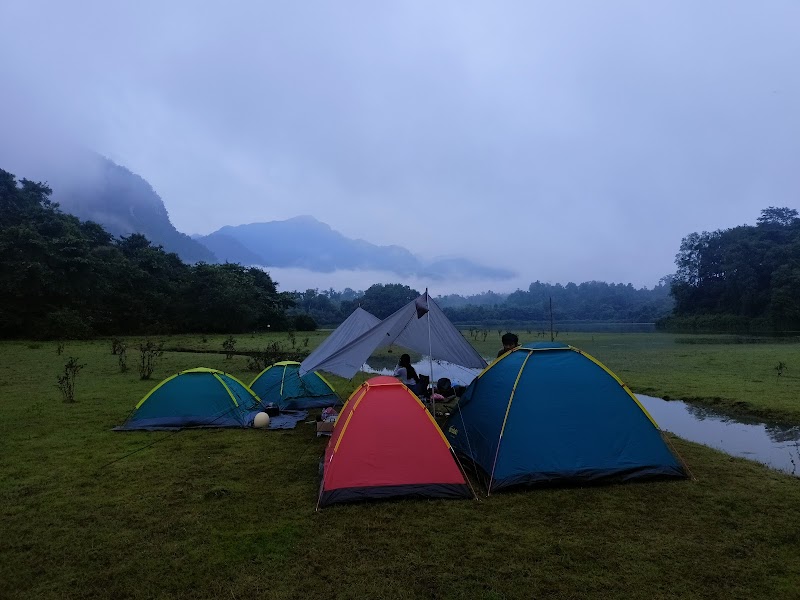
(420, 326)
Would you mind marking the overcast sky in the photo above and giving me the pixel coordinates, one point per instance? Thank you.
(567, 141)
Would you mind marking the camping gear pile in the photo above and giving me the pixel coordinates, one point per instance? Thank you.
(538, 415)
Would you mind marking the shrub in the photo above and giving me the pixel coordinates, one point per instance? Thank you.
(229, 346)
(261, 360)
(122, 357)
(66, 381)
(150, 353)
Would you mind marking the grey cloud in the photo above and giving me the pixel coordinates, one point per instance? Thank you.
(589, 137)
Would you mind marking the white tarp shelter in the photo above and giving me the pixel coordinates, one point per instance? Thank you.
(420, 326)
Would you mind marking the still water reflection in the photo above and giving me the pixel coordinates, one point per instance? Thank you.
(458, 375)
(773, 444)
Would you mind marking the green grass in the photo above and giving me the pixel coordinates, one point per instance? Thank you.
(230, 513)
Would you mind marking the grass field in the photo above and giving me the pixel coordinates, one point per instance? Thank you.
(230, 513)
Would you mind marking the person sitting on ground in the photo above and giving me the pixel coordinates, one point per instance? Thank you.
(444, 388)
(406, 373)
(445, 396)
(510, 341)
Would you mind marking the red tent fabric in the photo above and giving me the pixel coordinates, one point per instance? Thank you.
(386, 444)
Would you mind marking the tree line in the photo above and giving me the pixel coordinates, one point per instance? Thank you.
(62, 277)
(742, 278)
(588, 301)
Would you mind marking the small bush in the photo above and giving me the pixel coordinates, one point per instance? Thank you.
(66, 381)
(261, 360)
(273, 353)
(59, 348)
(116, 345)
(122, 357)
(229, 346)
(150, 353)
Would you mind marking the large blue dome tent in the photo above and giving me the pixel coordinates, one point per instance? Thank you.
(549, 413)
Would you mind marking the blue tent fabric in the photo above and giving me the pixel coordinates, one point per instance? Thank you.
(195, 398)
(548, 413)
(281, 384)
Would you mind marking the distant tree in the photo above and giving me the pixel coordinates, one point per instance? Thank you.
(304, 323)
(382, 300)
(778, 216)
(744, 273)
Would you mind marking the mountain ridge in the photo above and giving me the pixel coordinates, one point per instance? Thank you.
(95, 188)
(307, 243)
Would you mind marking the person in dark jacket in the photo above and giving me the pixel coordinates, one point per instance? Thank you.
(510, 341)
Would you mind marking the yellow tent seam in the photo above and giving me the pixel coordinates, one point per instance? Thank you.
(624, 387)
(349, 416)
(260, 374)
(151, 392)
(227, 389)
(505, 418)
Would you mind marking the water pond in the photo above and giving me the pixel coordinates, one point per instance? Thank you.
(776, 445)
(457, 374)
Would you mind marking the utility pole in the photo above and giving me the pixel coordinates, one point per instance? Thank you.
(552, 339)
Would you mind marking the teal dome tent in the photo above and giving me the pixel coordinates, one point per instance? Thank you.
(548, 413)
(281, 384)
(195, 398)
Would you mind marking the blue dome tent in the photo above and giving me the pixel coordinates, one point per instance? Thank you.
(195, 398)
(549, 413)
(281, 384)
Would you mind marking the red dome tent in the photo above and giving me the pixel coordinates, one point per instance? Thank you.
(385, 445)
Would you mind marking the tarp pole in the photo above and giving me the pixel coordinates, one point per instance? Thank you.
(430, 355)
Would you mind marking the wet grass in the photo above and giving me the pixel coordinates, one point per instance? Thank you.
(230, 513)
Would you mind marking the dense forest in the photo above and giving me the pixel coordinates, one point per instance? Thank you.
(62, 277)
(589, 301)
(743, 278)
